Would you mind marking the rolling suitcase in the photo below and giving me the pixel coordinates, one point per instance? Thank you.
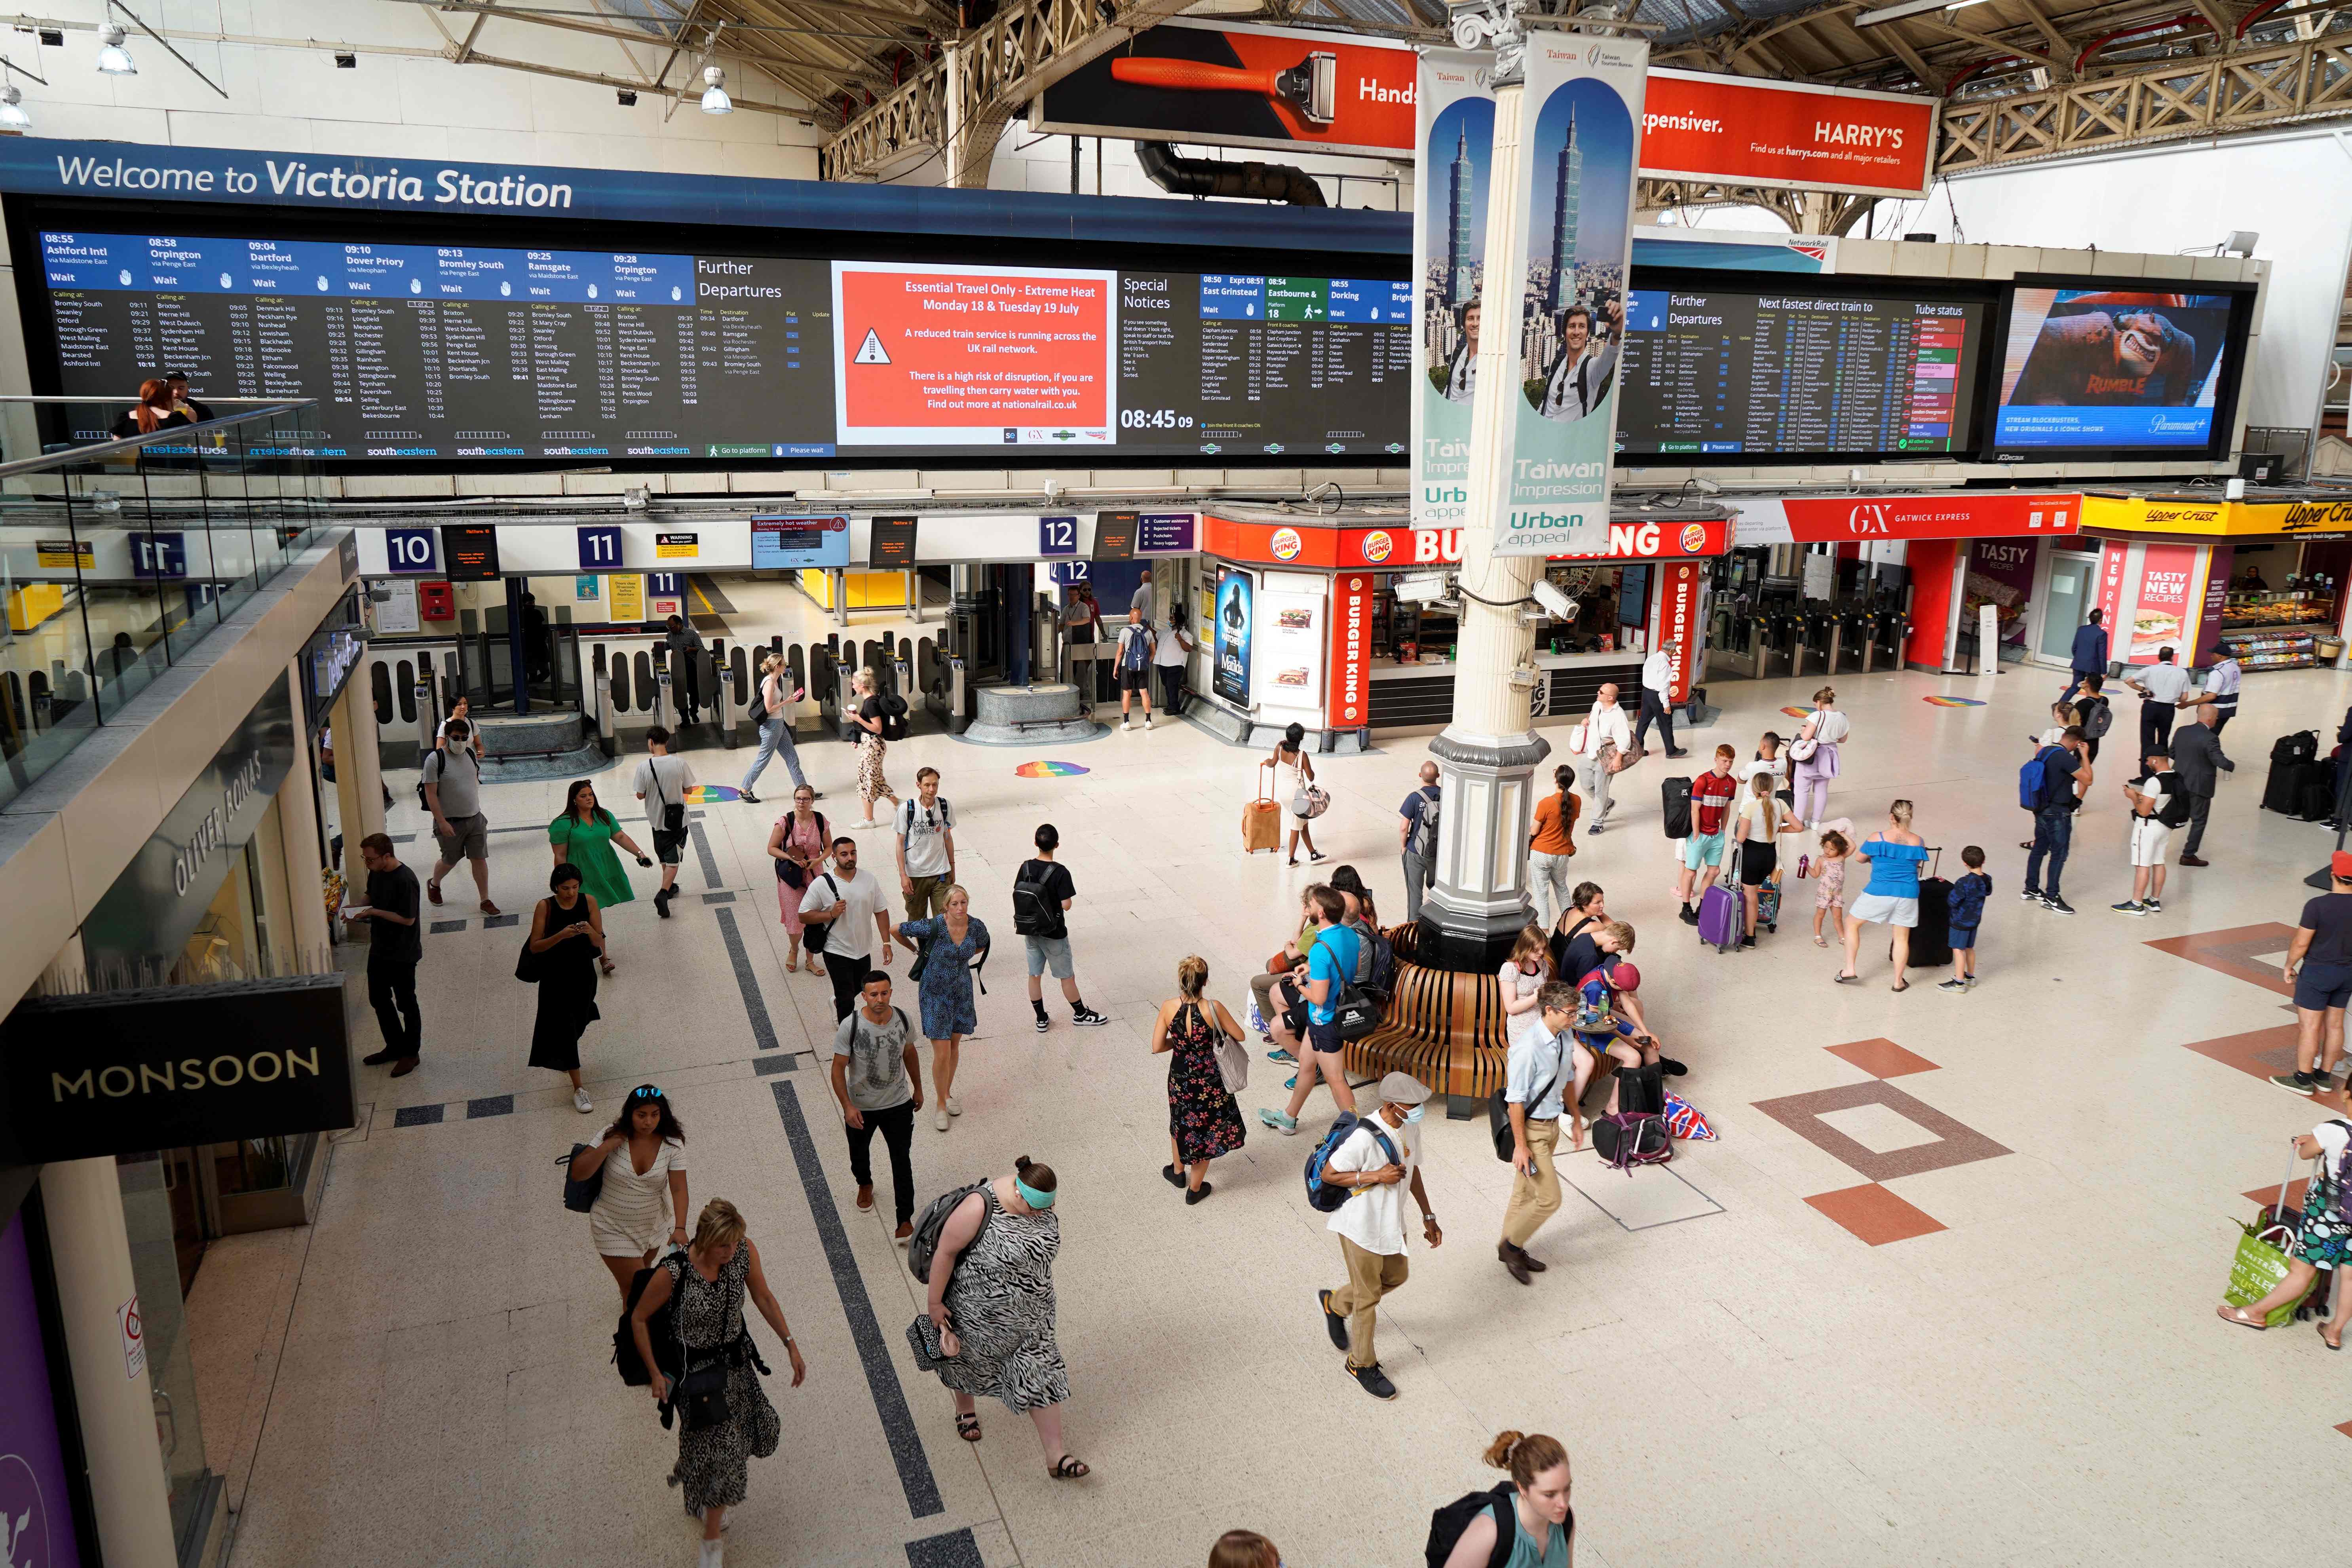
(2316, 803)
(2290, 755)
(1722, 911)
(1676, 795)
(1768, 902)
(1262, 817)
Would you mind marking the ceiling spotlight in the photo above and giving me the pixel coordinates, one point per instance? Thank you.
(627, 99)
(714, 97)
(12, 112)
(112, 58)
(346, 62)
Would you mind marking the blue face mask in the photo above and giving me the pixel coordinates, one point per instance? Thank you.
(1414, 1115)
(1030, 1195)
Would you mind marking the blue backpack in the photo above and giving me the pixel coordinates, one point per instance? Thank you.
(1136, 656)
(2033, 778)
(1321, 1194)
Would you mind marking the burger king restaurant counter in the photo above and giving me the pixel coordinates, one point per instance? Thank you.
(1420, 695)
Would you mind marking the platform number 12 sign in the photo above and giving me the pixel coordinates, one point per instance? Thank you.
(410, 550)
(1057, 536)
(600, 547)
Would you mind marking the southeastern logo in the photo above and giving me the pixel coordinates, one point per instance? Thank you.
(1378, 546)
(1694, 539)
(1287, 544)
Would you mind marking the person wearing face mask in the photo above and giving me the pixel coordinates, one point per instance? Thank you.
(1376, 1161)
(1525, 1521)
(992, 1306)
(2322, 1242)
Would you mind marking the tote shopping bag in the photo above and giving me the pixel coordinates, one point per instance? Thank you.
(2261, 1259)
(1262, 816)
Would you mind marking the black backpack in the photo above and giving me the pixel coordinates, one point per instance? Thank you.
(660, 1328)
(815, 936)
(924, 1244)
(1676, 795)
(2173, 809)
(1034, 913)
(894, 717)
(1446, 1525)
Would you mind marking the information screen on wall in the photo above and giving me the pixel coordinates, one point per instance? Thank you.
(2094, 367)
(1796, 366)
(427, 351)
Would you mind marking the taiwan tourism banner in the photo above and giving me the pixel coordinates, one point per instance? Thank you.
(1449, 258)
(1566, 287)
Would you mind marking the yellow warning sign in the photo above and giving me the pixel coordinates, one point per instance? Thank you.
(625, 597)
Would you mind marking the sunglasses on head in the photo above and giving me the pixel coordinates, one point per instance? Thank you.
(645, 1091)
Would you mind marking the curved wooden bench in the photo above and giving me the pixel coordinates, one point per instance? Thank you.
(1445, 1028)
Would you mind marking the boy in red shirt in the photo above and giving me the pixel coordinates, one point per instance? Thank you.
(1712, 794)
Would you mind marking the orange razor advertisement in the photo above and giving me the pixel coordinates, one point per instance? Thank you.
(1242, 86)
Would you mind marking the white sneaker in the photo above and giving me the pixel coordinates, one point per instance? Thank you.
(1147, 723)
(940, 1118)
(581, 1103)
(714, 1554)
(953, 1107)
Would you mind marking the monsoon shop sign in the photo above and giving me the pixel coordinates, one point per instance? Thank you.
(167, 1066)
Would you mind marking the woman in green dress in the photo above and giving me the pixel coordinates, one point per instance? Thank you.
(583, 836)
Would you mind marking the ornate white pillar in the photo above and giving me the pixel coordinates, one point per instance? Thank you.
(1486, 757)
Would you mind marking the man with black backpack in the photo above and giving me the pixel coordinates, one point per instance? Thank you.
(2159, 804)
(877, 1077)
(837, 907)
(1372, 1160)
(1134, 667)
(2050, 792)
(1042, 894)
(1417, 834)
(926, 837)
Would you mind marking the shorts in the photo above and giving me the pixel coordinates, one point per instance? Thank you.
(1049, 950)
(2321, 987)
(469, 839)
(1135, 680)
(1704, 849)
(1963, 938)
(669, 849)
(1879, 908)
(1756, 864)
(2148, 840)
(1324, 1037)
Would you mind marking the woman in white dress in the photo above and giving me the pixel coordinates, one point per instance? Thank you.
(643, 1156)
(1290, 752)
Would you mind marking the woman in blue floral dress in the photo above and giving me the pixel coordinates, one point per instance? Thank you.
(1202, 1120)
(956, 941)
(2323, 1241)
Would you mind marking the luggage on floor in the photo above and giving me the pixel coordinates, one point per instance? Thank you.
(2317, 801)
(1262, 817)
(1768, 902)
(1722, 911)
(1931, 939)
(2303, 746)
(1635, 1133)
(2293, 761)
(2261, 1260)
(1676, 793)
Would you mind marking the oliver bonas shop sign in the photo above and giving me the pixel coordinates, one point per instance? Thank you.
(169, 1066)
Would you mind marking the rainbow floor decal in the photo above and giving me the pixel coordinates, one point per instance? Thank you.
(711, 794)
(1953, 702)
(1798, 713)
(1047, 770)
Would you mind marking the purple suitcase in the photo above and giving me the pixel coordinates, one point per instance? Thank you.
(1722, 918)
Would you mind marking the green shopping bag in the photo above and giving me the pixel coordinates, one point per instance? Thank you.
(2262, 1261)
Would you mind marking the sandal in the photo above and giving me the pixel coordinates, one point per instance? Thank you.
(1899, 986)
(968, 1425)
(607, 965)
(1820, 942)
(1849, 979)
(2237, 1315)
(1066, 1468)
(2335, 1344)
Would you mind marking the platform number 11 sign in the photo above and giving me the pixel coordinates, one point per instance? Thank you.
(600, 547)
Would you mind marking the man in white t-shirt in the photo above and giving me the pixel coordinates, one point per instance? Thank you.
(2159, 686)
(1602, 745)
(848, 903)
(1379, 1159)
(926, 834)
(1170, 652)
(662, 781)
(2153, 811)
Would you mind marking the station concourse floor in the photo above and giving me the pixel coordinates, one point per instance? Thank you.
(1941, 1292)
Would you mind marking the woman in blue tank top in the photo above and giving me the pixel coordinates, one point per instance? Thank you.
(1892, 899)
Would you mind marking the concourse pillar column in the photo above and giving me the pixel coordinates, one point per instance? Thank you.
(1477, 903)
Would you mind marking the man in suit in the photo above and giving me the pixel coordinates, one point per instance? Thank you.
(2090, 651)
(2195, 754)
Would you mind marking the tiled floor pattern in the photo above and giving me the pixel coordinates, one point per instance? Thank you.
(2256, 954)
(1891, 1329)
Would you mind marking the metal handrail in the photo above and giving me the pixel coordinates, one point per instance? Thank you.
(101, 449)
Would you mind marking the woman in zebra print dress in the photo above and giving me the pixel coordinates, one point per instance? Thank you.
(992, 1295)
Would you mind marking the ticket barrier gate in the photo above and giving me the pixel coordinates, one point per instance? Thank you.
(1777, 629)
(1810, 651)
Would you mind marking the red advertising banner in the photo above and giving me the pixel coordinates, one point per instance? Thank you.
(1402, 549)
(2112, 558)
(1234, 86)
(1678, 616)
(926, 354)
(2167, 576)
(1958, 514)
(1350, 698)
(1791, 134)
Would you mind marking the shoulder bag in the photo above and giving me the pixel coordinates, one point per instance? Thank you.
(789, 872)
(1498, 1108)
(673, 817)
(930, 939)
(1233, 1060)
(580, 1195)
(529, 965)
(813, 937)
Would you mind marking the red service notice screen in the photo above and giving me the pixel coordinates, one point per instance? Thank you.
(938, 355)
(1785, 133)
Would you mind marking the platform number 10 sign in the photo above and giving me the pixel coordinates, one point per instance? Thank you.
(600, 548)
(410, 550)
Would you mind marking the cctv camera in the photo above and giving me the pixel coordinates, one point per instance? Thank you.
(1556, 605)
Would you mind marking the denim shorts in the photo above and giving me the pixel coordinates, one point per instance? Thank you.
(1049, 950)
(2321, 986)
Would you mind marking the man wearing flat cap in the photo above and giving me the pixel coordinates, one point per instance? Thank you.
(1378, 1161)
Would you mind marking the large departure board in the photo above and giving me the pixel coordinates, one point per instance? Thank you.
(449, 352)
(1724, 374)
